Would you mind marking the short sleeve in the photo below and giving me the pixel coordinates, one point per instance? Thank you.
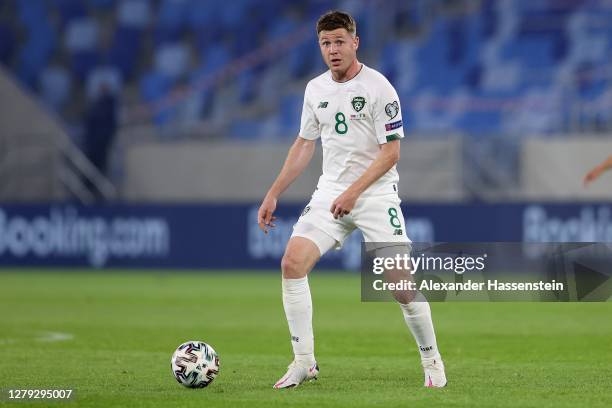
(387, 115)
(309, 125)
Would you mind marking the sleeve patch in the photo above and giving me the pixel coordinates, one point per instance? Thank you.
(393, 137)
(393, 125)
(392, 109)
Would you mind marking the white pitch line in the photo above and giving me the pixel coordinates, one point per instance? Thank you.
(54, 336)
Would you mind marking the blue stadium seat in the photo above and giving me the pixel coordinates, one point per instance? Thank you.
(102, 4)
(432, 56)
(201, 79)
(155, 86)
(81, 42)
(215, 58)
(509, 49)
(489, 18)
(234, 14)
(289, 113)
(81, 35)
(32, 12)
(202, 13)
(103, 75)
(171, 19)
(279, 28)
(250, 29)
(302, 58)
(316, 8)
(54, 85)
(82, 62)
(134, 14)
(172, 60)
(69, 10)
(35, 53)
(457, 39)
(390, 61)
(532, 52)
(125, 49)
(247, 86)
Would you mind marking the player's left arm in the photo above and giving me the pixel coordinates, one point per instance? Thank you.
(387, 157)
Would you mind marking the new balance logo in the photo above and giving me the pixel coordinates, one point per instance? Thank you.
(398, 231)
(296, 339)
(322, 105)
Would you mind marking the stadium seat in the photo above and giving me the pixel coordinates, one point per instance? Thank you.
(215, 56)
(201, 13)
(81, 35)
(134, 14)
(102, 4)
(247, 86)
(30, 13)
(491, 50)
(171, 20)
(69, 10)
(289, 113)
(172, 60)
(154, 87)
(35, 53)
(125, 49)
(107, 75)
(83, 62)
(55, 86)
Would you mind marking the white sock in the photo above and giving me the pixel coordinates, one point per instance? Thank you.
(418, 319)
(298, 309)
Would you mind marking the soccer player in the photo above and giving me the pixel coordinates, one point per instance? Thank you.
(356, 113)
(598, 170)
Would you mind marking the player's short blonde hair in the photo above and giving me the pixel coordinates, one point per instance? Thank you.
(333, 20)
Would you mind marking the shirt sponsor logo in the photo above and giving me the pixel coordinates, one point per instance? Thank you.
(393, 125)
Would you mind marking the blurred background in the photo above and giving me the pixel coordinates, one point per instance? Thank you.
(145, 132)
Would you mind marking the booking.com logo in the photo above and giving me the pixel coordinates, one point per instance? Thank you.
(66, 233)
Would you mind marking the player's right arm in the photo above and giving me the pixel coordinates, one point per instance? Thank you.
(597, 171)
(299, 156)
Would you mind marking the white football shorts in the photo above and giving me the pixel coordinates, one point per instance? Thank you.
(379, 218)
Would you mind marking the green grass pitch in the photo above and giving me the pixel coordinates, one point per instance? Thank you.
(115, 332)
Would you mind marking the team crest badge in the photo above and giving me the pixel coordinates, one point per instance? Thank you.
(358, 103)
(392, 109)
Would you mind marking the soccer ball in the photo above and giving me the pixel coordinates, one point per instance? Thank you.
(195, 364)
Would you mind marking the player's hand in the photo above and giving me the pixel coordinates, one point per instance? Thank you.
(344, 204)
(265, 219)
(592, 175)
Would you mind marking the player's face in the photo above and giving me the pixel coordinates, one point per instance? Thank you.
(338, 48)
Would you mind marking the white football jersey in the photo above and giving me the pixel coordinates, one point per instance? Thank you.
(353, 119)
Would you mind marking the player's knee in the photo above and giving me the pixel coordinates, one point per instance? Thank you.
(404, 296)
(293, 267)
